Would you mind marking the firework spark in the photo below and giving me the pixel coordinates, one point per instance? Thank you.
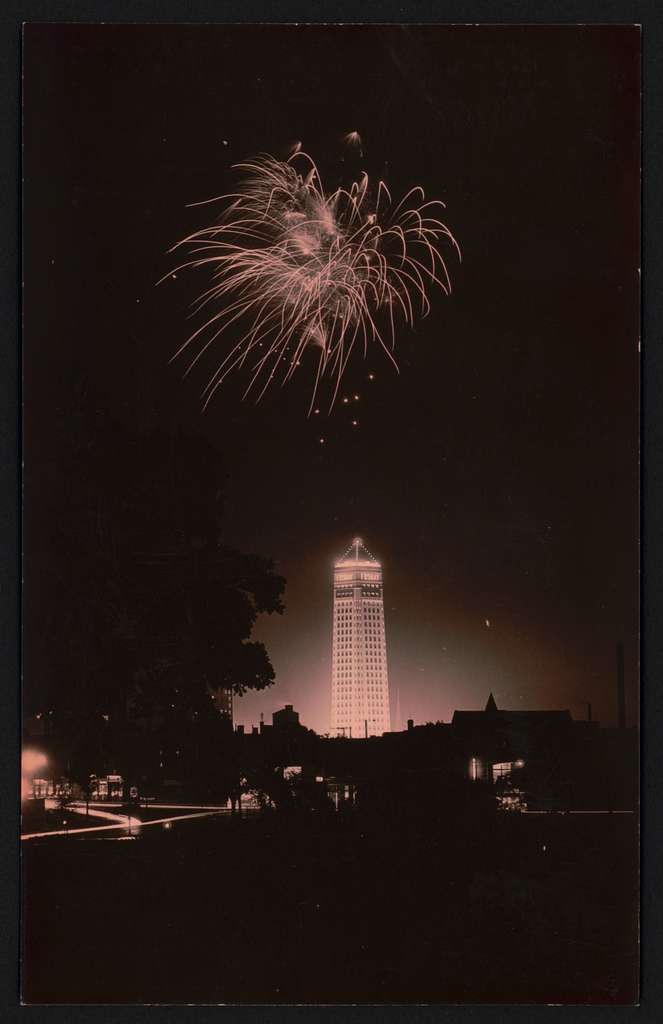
(299, 268)
(353, 141)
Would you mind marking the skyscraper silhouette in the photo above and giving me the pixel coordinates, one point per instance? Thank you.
(360, 685)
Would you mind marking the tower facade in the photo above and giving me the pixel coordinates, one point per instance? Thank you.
(360, 684)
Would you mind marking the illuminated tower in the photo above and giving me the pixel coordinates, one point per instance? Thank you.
(360, 687)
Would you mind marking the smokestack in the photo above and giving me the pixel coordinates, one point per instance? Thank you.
(621, 696)
(410, 724)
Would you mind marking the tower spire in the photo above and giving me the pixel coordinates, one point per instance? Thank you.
(358, 552)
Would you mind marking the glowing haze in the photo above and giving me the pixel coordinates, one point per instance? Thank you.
(302, 268)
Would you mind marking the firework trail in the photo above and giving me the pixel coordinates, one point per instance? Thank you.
(301, 268)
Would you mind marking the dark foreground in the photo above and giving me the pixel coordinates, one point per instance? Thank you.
(525, 909)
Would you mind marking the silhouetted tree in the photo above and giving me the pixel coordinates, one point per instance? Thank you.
(144, 609)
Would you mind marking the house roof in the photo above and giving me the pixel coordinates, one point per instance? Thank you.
(505, 717)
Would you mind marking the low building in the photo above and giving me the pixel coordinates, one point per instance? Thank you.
(286, 718)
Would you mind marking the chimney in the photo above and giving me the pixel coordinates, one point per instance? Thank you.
(621, 697)
(410, 724)
(254, 730)
(240, 730)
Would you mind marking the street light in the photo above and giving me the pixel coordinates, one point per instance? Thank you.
(31, 762)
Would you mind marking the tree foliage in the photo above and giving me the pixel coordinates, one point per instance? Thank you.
(138, 607)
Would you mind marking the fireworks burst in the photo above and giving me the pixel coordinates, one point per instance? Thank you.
(300, 268)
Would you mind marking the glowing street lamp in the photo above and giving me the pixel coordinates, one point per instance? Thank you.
(31, 761)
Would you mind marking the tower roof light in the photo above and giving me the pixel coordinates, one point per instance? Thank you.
(358, 552)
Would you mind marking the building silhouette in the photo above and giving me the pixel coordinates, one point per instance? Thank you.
(223, 701)
(360, 685)
(286, 718)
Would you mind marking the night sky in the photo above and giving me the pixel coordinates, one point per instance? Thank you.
(496, 476)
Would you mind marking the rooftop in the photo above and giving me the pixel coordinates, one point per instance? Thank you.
(357, 553)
